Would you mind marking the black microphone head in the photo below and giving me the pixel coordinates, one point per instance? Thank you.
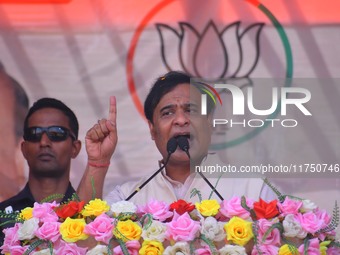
(183, 143)
(171, 145)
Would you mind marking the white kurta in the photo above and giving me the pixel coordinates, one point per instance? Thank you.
(162, 188)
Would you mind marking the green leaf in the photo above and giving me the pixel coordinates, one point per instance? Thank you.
(123, 246)
(269, 230)
(93, 188)
(210, 243)
(335, 244)
(293, 249)
(52, 197)
(245, 206)
(212, 192)
(255, 228)
(306, 245)
(146, 221)
(33, 246)
(196, 192)
(334, 222)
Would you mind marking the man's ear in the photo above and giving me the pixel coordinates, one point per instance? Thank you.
(152, 130)
(76, 148)
(23, 149)
(20, 164)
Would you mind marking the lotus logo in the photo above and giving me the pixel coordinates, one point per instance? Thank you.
(214, 52)
(227, 47)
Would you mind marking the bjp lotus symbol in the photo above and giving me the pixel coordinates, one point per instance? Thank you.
(213, 54)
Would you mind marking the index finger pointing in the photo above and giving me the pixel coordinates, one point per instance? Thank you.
(112, 109)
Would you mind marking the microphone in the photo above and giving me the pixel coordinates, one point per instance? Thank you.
(184, 146)
(171, 148)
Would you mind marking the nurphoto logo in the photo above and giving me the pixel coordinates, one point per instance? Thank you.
(282, 98)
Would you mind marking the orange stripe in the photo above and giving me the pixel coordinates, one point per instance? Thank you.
(254, 2)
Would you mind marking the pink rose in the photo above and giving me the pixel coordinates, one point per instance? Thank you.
(324, 217)
(182, 228)
(11, 238)
(233, 207)
(322, 236)
(18, 249)
(333, 251)
(273, 238)
(266, 249)
(101, 228)
(203, 251)
(310, 221)
(70, 249)
(45, 212)
(49, 231)
(158, 209)
(313, 247)
(132, 247)
(289, 206)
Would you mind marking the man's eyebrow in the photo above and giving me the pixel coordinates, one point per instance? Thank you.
(186, 105)
(169, 106)
(191, 104)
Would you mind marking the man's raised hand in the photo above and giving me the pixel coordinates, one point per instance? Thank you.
(101, 139)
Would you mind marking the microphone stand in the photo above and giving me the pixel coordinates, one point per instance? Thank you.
(184, 145)
(171, 147)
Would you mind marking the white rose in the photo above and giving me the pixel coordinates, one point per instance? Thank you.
(27, 229)
(43, 252)
(156, 231)
(292, 228)
(123, 207)
(232, 250)
(180, 248)
(98, 250)
(308, 206)
(212, 229)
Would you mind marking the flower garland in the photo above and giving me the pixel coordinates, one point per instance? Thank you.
(286, 226)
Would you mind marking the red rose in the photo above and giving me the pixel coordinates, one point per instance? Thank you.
(69, 209)
(181, 207)
(264, 210)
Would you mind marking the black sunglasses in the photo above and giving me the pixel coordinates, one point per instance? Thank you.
(54, 133)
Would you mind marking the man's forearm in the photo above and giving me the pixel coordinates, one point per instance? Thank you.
(92, 183)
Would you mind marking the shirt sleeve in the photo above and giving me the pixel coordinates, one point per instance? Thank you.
(115, 195)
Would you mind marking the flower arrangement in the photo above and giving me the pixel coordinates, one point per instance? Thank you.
(286, 226)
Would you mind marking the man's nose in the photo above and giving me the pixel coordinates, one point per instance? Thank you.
(45, 140)
(182, 118)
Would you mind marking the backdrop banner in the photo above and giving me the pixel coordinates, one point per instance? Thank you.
(83, 51)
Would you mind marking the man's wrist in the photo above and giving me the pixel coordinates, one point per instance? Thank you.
(98, 164)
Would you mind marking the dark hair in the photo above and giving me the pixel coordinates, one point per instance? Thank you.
(56, 104)
(163, 85)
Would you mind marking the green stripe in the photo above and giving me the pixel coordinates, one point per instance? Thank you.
(210, 94)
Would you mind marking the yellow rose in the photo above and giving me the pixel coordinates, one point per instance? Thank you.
(26, 213)
(208, 207)
(239, 231)
(72, 230)
(95, 208)
(127, 230)
(323, 247)
(288, 250)
(151, 248)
